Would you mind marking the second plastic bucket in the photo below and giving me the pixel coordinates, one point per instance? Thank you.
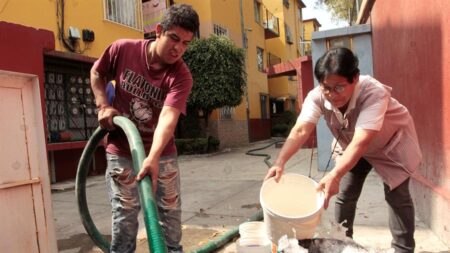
(253, 238)
(291, 207)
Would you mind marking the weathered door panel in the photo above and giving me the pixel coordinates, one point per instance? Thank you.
(25, 199)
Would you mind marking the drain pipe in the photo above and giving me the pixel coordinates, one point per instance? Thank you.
(156, 241)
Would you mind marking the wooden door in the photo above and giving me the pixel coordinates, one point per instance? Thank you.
(26, 215)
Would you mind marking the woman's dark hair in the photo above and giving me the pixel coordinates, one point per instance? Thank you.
(181, 15)
(337, 61)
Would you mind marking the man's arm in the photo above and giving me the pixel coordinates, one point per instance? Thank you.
(355, 150)
(167, 122)
(105, 111)
(297, 137)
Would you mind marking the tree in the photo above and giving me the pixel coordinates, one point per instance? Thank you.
(218, 70)
(341, 9)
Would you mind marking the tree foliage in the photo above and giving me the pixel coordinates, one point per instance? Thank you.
(218, 70)
(340, 9)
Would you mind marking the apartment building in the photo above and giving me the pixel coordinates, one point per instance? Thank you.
(58, 41)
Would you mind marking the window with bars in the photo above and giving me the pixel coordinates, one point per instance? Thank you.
(226, 112)
(263, 98)
(124, 12)
(260, 58)
(287, 30)
(257, 10)
(220, 30)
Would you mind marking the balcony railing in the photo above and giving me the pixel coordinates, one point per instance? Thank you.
(271, 25)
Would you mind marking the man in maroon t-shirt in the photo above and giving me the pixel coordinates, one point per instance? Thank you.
(152, 86)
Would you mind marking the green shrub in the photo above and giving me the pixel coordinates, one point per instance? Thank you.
(289, 118)
(213, 144)
(197, 145)
(280, 130)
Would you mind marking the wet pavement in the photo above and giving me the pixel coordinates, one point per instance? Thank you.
(219, 192)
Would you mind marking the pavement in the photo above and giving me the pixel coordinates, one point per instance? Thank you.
(221, 191)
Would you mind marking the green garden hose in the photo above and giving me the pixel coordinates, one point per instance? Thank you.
(267, 156)
(156, 241)
(213, 245)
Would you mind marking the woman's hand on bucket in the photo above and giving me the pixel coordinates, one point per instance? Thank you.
(275, 171)
(330, 186)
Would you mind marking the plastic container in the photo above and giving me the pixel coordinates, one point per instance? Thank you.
(253, 238)
(253, 245)
(291, 207)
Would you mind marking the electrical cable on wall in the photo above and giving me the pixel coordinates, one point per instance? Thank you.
(69, 44)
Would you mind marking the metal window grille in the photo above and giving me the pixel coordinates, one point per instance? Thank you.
(226, 112)
(220, 30)
(260, 58)
(124, 12)
(288, 34)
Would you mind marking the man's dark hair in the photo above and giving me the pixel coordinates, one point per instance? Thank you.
(337, 61)
(181, 15)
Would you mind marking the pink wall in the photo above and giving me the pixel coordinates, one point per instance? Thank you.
(411, 53)
(22, 50)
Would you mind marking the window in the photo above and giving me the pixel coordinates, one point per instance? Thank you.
(263, 100)
(257, 10)
(125, 12)
(288, 34)
(260, 58)
(299, 14)
(220, 31)
(340, 42)
(226, 112)
(69, 101)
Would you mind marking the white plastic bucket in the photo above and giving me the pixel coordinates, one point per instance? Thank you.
(252, 229)
(291, 207)
(253, 245)
(253, 238)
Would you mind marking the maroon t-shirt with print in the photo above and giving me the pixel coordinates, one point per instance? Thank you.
(141, 93)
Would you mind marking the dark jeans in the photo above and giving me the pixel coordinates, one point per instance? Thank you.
(400, 205)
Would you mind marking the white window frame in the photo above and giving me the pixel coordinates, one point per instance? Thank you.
(124, 12)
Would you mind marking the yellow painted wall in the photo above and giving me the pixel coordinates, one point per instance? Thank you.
(309, 26)
(226, 13)
(256, 80)
(281, 86)
(41, 14)
(81, 14)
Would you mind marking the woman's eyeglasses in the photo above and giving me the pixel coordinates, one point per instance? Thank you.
(339, 88)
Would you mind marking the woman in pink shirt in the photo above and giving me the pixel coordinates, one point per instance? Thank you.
(372, 129)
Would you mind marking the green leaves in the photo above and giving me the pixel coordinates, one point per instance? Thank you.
(218, 70)
(340, 9)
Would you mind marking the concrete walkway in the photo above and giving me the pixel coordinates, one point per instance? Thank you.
(221, 191)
